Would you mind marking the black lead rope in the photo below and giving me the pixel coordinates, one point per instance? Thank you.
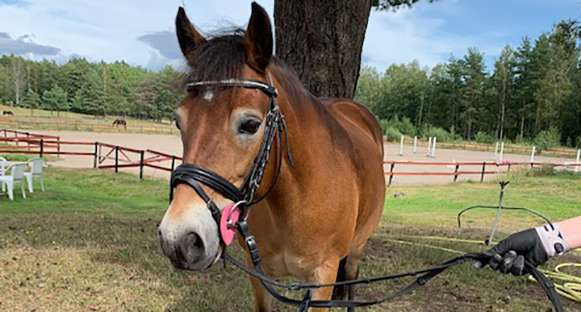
(425, 276)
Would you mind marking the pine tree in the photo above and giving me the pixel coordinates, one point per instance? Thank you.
(55, 99)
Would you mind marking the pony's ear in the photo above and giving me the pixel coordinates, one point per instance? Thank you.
(258, 39)
(188, 36)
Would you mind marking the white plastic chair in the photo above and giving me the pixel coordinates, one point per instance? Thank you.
(3, 163)
(35, 172)
(17, 176)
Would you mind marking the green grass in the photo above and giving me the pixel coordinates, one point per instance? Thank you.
(90, 242)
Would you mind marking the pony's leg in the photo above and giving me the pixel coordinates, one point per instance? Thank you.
(352, 270)
(262, 299)
(325, 274)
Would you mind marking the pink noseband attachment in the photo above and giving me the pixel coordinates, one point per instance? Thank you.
(230, 217)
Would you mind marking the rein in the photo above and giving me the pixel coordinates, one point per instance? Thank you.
(243, 197)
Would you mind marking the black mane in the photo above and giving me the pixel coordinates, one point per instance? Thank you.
(220, 57)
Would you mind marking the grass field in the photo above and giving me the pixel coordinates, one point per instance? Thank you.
(89, 244)
(47, 120)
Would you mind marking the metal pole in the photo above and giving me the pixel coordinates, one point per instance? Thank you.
(116, 159)
(391, 174)
(141, 165)
(456, 173)
(41, 147)
(483, 169)
(502, 185)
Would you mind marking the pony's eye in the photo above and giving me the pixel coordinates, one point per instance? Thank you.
(249, 126)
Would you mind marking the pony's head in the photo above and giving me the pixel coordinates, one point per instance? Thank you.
(221, 130)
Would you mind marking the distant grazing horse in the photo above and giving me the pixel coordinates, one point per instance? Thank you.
(9, 113)
(120, 122)
(313, 214)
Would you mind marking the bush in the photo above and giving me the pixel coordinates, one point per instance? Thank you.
(483, 137)
(392, 134)
(548, 139)
(384, 124)
(440, 134)
(405, 126)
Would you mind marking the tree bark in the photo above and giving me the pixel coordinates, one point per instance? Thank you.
(322, 41)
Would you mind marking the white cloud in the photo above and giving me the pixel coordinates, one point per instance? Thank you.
(414, 34)
(109, 30)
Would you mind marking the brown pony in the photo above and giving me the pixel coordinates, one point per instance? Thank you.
(316, 220)
(120, 122)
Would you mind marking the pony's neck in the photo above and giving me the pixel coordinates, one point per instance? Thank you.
(299, 108)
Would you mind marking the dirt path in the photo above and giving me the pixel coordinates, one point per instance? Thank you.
(171, 144)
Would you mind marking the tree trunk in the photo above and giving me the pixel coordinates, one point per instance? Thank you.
(322, 41)
(522, 123)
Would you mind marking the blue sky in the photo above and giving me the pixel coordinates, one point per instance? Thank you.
(141, 32)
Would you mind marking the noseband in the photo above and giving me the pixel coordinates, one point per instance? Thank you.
(244, 196)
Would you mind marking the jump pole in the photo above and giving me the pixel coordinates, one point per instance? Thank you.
(429, 145)
(496, 151)
(401, 146)
(501, 150)
(415, 144)
(434, 148)
(533, 155)
(577, 161)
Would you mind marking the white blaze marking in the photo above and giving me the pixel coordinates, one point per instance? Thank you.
(208, 96)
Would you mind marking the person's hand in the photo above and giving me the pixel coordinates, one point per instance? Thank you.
(510, 254)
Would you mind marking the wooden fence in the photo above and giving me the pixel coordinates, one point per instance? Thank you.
(125, 157)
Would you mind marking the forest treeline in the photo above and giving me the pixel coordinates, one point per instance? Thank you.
(91, 88)
(532, 93)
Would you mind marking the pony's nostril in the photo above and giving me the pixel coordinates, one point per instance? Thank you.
(192, 247)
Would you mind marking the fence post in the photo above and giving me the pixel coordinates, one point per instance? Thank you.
(508, 167)
(141, 165)
(456, 173)
(41, 147)
(533, 155)
(391, 173)
(415, 143)
(95, 159)
(501, 150)
(483, 169)
(173, 162)
(58, 147)
(116, 159)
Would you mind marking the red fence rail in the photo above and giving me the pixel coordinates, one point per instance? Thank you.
(125, 157)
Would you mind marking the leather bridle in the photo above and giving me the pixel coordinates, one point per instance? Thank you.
(243, 197)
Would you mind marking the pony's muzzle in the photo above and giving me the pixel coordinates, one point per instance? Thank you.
(191, 242)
